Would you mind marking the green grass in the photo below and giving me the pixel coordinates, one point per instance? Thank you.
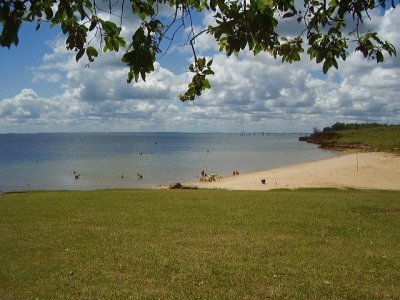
(203, 244)
(380, 138)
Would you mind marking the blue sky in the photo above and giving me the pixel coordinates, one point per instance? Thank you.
(16, 62)
(43, 89)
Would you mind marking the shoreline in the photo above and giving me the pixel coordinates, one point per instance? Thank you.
(365, 170)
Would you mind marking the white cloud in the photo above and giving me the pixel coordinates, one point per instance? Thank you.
(46, 77)
(248, 93)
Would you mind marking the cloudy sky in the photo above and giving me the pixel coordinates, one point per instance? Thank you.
(43, 89)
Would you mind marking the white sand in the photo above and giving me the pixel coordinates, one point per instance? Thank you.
(376, 170)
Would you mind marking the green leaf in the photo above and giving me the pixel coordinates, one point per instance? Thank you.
(288, 15)
(206, 84)
(335, 64)
(91, 52)
(49, 13)
(93, 24)
(121, 41)
(208, 72)
(320, 56)
(379, 57)
(110, 27)
(201, 62)
(59, 16)
(80, 54)
(326, 66)
(143, 75)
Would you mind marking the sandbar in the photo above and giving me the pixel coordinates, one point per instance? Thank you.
(368, 170)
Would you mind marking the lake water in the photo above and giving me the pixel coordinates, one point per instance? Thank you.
(48, 161)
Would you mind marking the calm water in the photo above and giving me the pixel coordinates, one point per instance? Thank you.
(47, 161)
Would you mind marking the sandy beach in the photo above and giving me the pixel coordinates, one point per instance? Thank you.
(371, 170)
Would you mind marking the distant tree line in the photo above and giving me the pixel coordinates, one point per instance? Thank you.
(343, 126)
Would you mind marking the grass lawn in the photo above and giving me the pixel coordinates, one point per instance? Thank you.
(203, 244)
(380, 138)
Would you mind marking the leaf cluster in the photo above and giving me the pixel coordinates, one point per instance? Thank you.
(326, 24)
(201, 68)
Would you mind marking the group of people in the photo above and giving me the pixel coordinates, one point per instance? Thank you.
(207, 178)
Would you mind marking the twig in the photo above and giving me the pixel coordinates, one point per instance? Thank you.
(192, 40)
(122, 12)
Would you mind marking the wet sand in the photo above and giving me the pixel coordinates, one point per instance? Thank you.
(372, 170)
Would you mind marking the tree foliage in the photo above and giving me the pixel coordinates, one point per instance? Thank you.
(326, 30)
(356, 126)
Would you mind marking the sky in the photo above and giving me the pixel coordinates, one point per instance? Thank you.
(43, 88)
